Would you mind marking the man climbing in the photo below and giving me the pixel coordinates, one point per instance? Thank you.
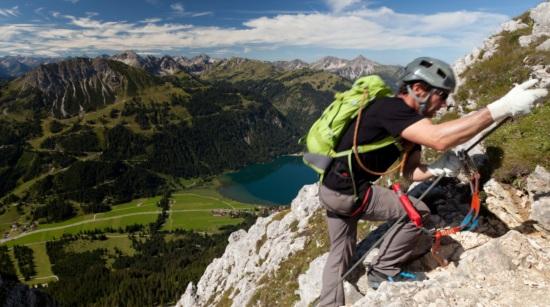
(424, 88)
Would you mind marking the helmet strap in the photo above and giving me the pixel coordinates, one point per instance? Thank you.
(422, 102)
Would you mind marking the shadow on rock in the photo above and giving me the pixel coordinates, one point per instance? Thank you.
(449, 203)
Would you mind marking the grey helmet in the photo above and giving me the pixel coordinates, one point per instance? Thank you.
(434, 72)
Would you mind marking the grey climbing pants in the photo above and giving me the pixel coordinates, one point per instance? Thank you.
(397, 247)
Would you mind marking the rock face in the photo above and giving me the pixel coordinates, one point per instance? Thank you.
(538, 186)
(541, 31)
(165, 65)
(486, 50)
(360, 66)
(541, 26)
(75, 85)
(250, 255)
(508, 271)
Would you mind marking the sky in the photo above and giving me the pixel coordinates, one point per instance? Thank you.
(389, 32)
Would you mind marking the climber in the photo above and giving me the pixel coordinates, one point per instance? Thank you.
(423, 90)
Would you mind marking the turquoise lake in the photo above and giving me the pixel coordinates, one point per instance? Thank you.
(273, 183)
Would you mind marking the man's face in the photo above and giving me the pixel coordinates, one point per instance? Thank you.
(437, 100)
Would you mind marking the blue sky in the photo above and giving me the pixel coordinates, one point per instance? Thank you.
(389, 32)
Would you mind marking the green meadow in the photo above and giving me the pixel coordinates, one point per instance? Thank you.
(190, 209)
(140, 211)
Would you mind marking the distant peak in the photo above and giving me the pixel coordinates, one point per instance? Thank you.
(362, 59)
(128, 54)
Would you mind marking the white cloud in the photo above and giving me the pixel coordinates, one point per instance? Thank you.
(339, 5)
(178, 9)
(199, 14)
(13, 12)
(72, 1)
(151, 20)
(366, 29)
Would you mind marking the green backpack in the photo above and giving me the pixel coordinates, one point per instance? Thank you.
(325, 133)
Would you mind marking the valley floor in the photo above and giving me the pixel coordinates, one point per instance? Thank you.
(199, 209)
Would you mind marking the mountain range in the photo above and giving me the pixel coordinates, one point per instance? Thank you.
(15, 66)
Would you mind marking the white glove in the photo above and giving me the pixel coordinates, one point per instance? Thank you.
(448, 165)
(517, 101)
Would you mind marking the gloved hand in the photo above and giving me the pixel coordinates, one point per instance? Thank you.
(517, 101)
(448, 165)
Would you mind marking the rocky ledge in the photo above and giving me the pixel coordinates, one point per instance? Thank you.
(504, 262)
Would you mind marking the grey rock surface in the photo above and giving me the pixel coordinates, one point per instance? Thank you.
(541, 25)
(487, 49)
(500, 201)
(538, 187)
(251, 255)
(509, 271)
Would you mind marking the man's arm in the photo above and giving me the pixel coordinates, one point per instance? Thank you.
(414, 170)
(448, 134)
(517, 101)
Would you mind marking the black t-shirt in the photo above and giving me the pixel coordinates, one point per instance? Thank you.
(383, 117)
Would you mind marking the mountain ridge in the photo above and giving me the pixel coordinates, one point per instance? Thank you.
(15, 66)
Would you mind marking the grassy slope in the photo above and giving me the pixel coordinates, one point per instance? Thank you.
(113, 242)
(518, 147)
(7, 219)
(200, 202)
(100, 119)
(240, 69)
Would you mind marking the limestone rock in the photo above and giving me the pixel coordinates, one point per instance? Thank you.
(188, 298)
(542, 72)
(538, 187)
(250, 255)
(544, 46)
(310, 282)
(501, 203)
(502, 272)
(541, 26)
(487, 49)
(513, 25)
